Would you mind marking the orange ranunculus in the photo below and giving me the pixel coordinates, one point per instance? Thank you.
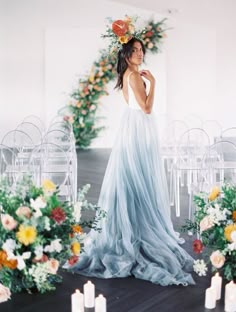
(119, 28)
(214, 193)
(77, 229)
(234, 215)
(11, 264)
(3, 257)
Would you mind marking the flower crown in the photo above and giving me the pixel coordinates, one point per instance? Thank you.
(121, 31)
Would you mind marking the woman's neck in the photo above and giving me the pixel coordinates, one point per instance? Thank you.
(133, 67)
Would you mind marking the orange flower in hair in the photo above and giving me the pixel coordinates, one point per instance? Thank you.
(119, 28)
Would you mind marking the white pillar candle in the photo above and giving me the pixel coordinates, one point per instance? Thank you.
(216, 282)
(210, 298)
(77, 302)
(230, 290)
(230, 304)
(89, 295)
(100, 304)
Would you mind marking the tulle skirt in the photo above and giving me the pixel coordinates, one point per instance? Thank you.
(137, 235)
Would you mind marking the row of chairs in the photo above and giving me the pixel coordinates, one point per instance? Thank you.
(199, 164)
(44, 153)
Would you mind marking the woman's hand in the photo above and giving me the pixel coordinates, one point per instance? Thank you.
(147, 74)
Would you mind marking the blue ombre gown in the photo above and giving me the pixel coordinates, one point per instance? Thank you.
(137, 235)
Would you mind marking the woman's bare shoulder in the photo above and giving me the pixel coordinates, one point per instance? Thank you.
(136, 78)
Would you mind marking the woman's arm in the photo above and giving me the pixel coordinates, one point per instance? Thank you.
(145, 101)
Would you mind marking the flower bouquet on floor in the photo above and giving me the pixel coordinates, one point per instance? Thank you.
(38, 234)
(215, 223)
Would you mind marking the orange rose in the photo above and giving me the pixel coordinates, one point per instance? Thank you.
(119, 28)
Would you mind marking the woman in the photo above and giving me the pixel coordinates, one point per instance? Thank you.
(137, 236)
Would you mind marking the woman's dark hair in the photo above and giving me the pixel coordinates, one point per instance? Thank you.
(123, 54)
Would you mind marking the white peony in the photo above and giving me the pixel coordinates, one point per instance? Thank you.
(54, 246)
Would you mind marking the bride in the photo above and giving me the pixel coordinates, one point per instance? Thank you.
(137, 236)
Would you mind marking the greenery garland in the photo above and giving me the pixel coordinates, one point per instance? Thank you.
(85, 98)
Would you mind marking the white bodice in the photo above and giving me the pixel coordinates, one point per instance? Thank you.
(132, 100)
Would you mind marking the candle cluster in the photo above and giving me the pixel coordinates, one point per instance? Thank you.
(213, 293)
(83, 302)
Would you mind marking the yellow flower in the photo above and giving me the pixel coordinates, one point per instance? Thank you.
(215, 192)
(26, 235)
(75, 248)
(49, 186)
(229, 230)
(123, 39)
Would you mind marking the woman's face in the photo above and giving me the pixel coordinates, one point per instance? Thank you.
(137, 54)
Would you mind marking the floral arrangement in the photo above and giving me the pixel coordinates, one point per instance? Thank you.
(82, 107)
(215, 223)
(38, 234)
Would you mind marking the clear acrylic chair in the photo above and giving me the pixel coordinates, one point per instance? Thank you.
(221, 163)
(192, 147)
(169, 141)
(9, 168)
(67, 143)
(50, 161)
(22, 145)
(229, 134)
(32, 130)
(37, 121)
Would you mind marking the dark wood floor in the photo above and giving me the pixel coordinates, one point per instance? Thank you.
(123, 295)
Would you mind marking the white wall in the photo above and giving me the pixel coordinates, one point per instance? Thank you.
(48, 44)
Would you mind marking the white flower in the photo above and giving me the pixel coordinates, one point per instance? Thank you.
(232, 246)
(77, 211)
(39, 272)
(47, 224)
(233, 236)
(37, 204)
(5, 293)
(217, 215)
(20, 259)
(54, 246)
(9, 245)
(38, 252)
(200, 267)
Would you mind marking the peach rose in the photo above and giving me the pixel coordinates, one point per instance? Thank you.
(217, 259)
(206, 223)
(150, 45)
(5, 293)
(53, 266)
(8, 222)
(23, 211)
